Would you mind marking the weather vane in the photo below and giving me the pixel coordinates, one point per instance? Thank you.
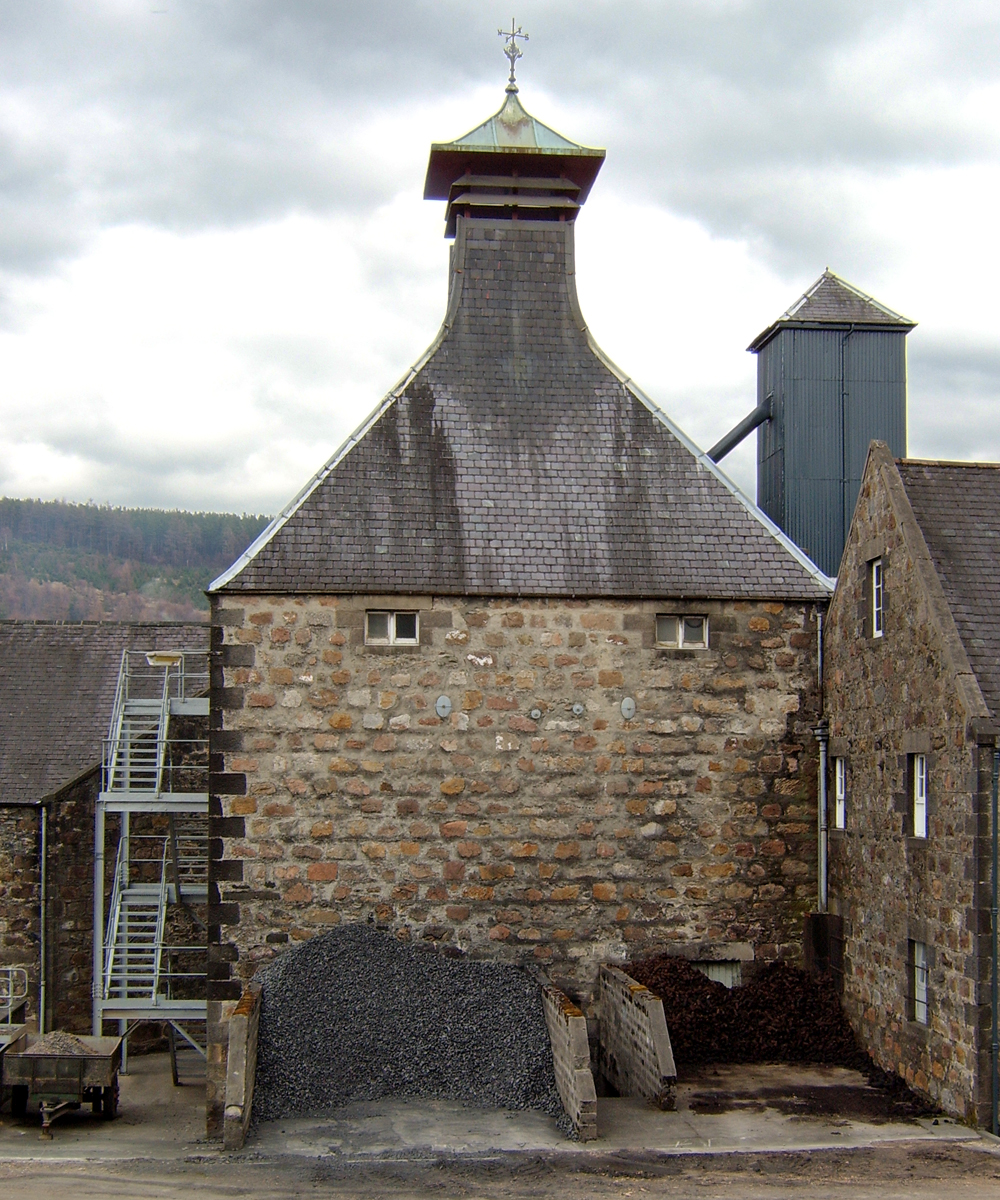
(512, 50)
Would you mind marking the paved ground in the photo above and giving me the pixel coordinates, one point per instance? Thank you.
(898, 1171)
(816, 1132)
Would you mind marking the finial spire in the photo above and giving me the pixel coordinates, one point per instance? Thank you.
(512, 50)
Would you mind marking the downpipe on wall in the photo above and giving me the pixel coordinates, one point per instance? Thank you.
(993, 947)
(43, 888)
(822, 735)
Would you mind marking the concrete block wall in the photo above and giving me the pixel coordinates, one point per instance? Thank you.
(516, 826)
(636, 1057)
(241, 1066)
(567, 1028)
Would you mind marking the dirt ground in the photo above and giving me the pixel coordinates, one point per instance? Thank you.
(966, 1171)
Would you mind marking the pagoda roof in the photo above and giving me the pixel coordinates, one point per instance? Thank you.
(512, 141)
(835, 302)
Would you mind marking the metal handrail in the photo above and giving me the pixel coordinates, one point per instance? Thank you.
(161, 731)
(111, 935)
(178, 682)
(160, 920)
(114, 728)
(13, 991)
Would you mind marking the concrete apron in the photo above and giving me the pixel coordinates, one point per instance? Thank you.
(727, 1109)
(758, 1108)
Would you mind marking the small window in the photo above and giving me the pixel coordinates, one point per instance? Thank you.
(878, 599)
(391, 628)
(684, 632)
(840, 793)
(919, 964)
(918, 776)
(729, 973)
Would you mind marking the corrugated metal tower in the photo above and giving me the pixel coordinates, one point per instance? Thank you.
(831, 376)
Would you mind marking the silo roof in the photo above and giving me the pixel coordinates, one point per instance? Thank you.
(832, 301)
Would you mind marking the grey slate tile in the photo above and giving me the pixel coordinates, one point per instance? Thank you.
(591, 494)
(957, 506)
(57, 690)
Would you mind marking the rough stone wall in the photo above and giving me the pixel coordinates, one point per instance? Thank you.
(563, 838)
(19, 895)
(70, 902)
(887, 698)
(71, 906)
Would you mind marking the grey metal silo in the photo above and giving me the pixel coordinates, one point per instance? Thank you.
(831, 376)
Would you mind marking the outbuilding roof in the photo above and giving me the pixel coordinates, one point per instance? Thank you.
(57, 690)
(957, 506)
(835, 302)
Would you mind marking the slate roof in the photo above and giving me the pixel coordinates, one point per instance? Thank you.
(515, 458)
(957, 506)
(833, 301)
(57, 689)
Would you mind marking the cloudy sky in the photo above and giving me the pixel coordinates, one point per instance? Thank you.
(215, 258)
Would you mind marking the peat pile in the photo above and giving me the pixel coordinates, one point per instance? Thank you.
(781, 1015)
(355, 1015)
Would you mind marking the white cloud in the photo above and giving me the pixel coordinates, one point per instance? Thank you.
(214, 259)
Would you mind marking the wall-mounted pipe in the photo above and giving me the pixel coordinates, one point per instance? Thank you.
(994, 947)
(43, 915)
(763, 412)
(822, 734)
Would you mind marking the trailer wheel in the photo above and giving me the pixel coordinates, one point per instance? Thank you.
(19, 1100)
(109, 1101)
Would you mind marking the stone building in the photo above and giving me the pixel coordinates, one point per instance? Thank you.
(520, 670)
(57, 691)
(912, 688)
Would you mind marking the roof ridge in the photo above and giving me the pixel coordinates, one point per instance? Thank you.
(944, 462)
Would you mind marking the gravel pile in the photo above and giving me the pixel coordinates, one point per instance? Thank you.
(59, 1042)
(356, 1015)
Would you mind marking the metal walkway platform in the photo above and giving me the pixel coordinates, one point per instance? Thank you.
(150, 944)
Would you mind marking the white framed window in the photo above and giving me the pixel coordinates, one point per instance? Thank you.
(919, 784)
(686, 632)
(840, 793)
(878, 599)
(385, 628)
(920, 960)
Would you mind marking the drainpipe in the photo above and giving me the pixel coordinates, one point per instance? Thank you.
(43, 914)
(993, 949)
(822, 734)
(98, 968)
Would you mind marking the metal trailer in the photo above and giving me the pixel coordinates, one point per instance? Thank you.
(63, 1082)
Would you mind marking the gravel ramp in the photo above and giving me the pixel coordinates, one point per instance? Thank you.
(355, 1015)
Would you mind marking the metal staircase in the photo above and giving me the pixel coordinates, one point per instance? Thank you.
(150, 950)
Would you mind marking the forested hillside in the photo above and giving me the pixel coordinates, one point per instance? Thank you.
(74, 562)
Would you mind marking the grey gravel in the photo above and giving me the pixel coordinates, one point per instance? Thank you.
(355, 1014)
